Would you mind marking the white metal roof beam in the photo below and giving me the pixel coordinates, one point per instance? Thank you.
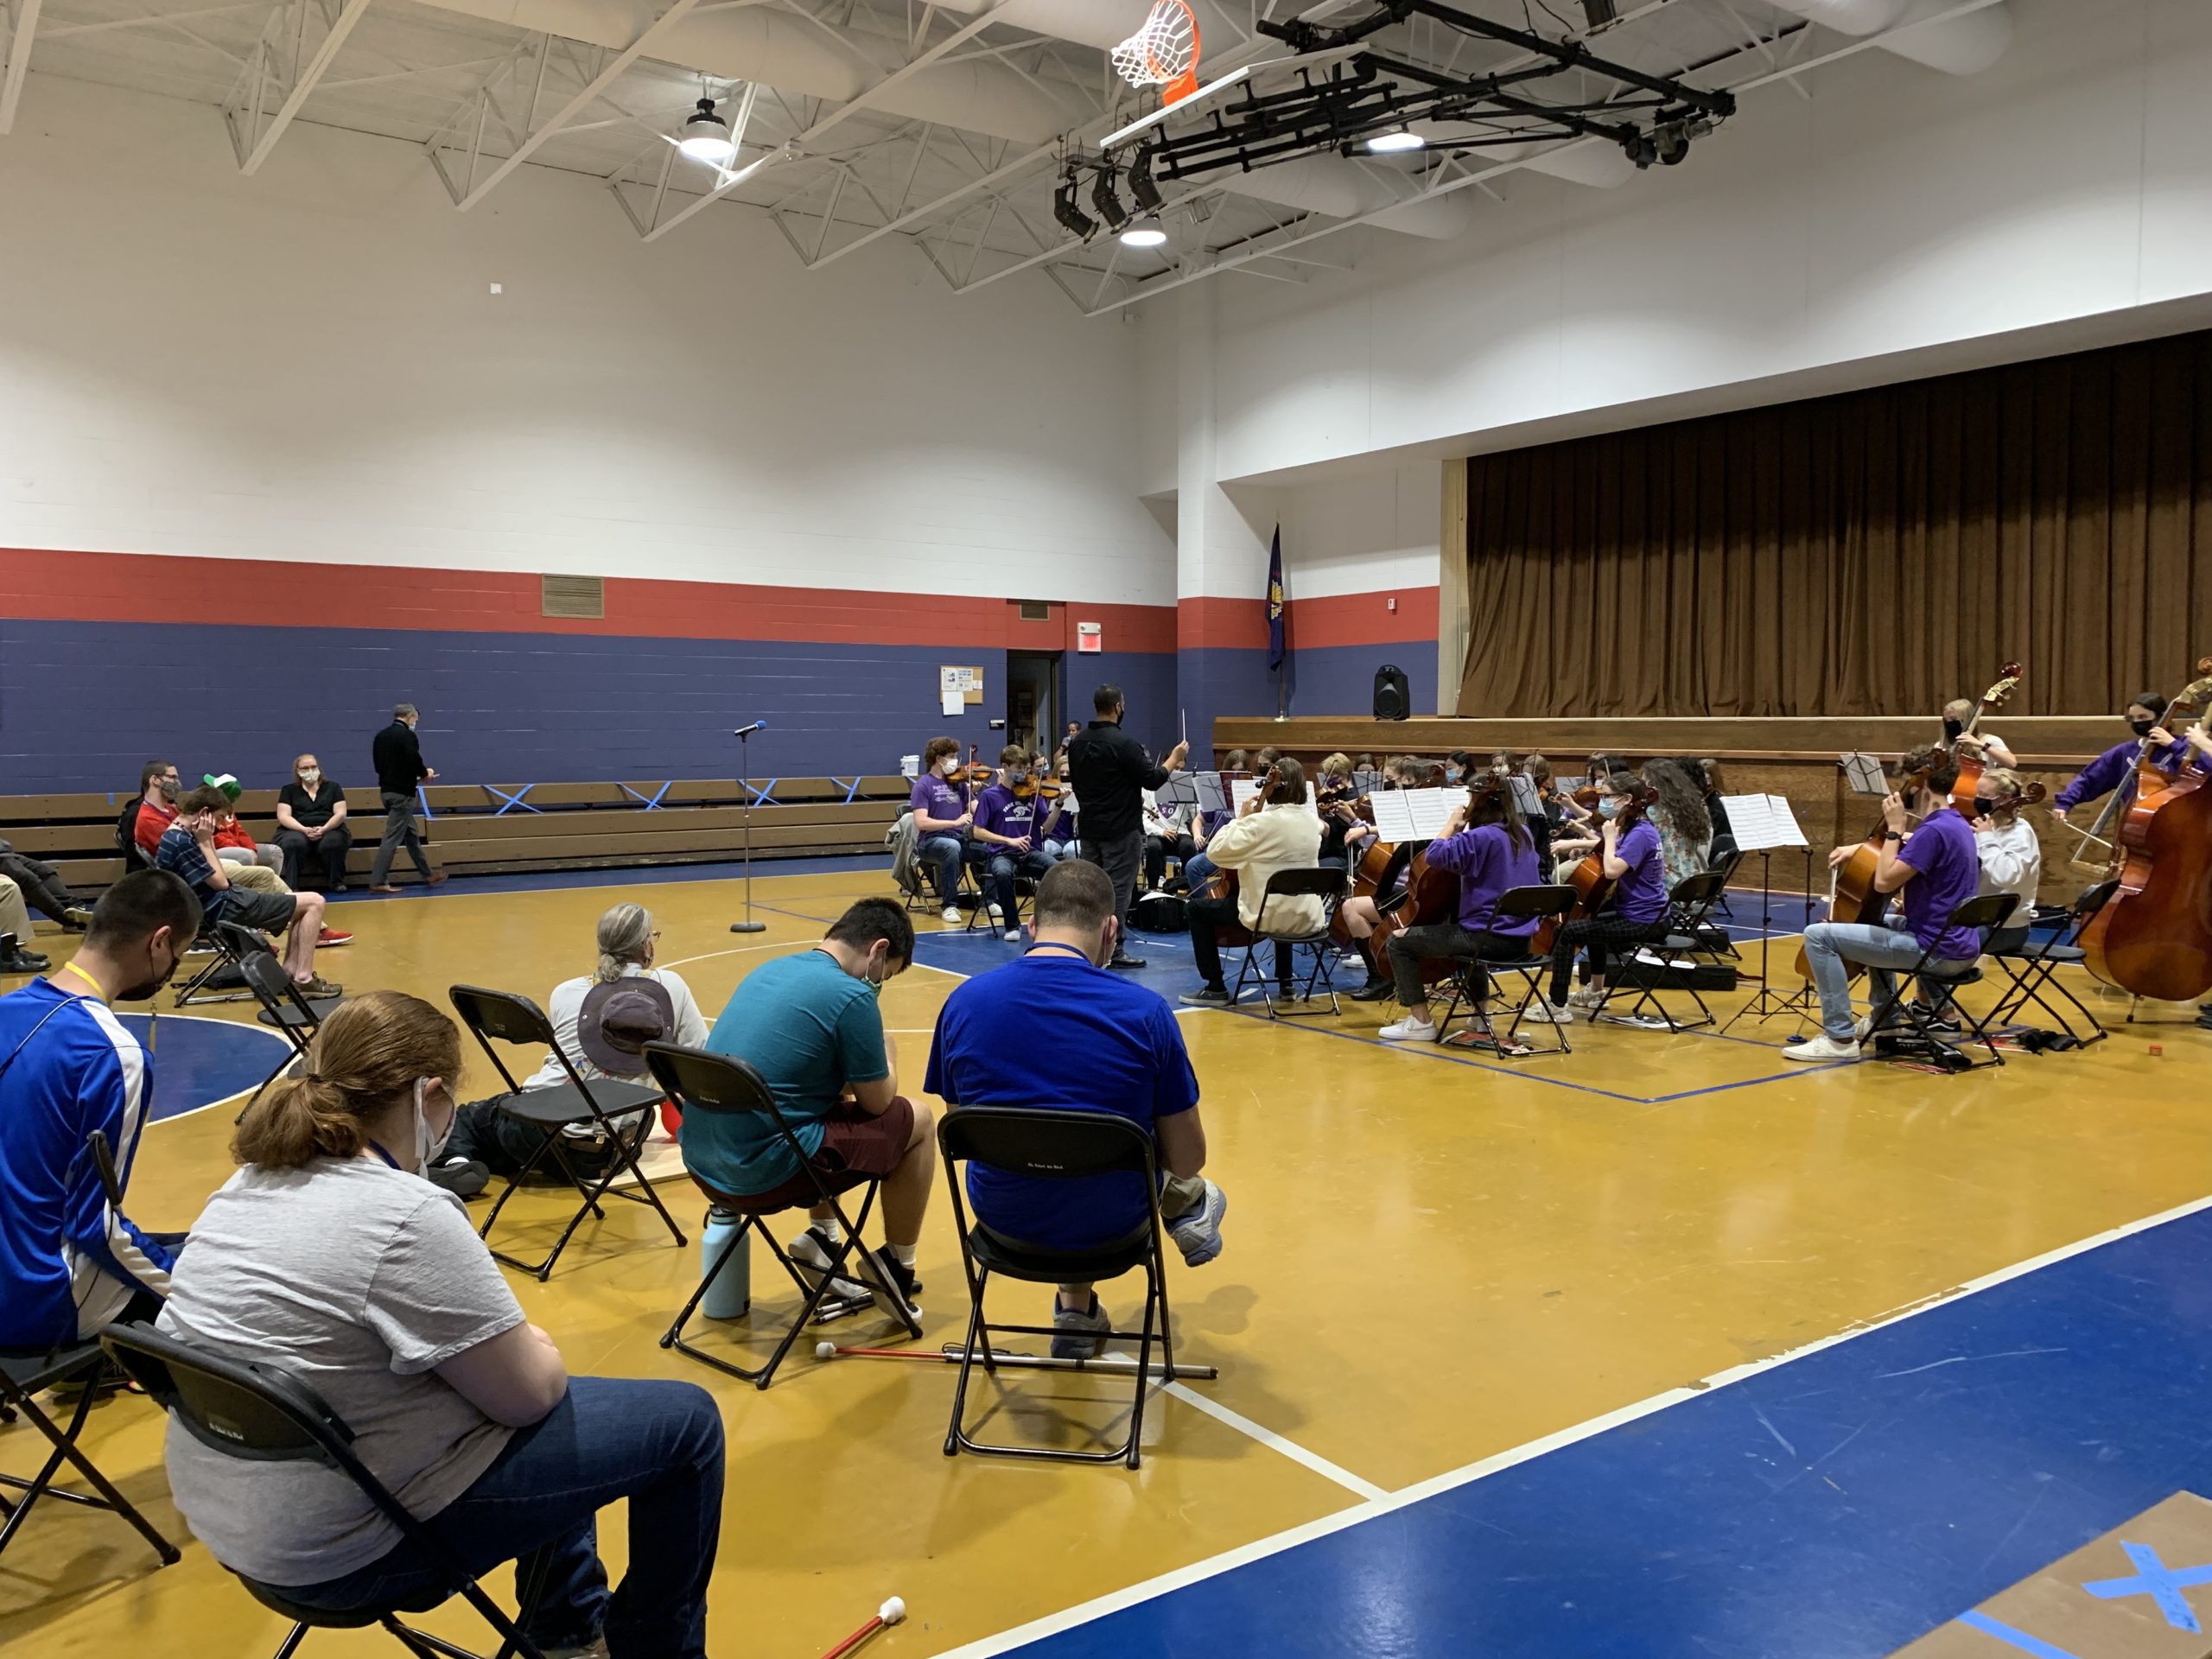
(253, 140)
(23, 28)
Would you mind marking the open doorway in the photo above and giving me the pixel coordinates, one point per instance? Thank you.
(1032, 698)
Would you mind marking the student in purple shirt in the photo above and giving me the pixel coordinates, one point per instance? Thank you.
(943, 813)
(1004, 839)
(1636, 865)
(1937, 870)
(1486, 845)
(2116, 766)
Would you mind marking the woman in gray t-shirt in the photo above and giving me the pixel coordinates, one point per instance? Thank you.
(329, 1255)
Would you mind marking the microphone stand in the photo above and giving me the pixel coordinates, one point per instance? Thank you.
(745, 767)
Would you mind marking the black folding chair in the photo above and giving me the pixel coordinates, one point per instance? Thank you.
(1537, 905)
(1918, 1039)
(1689, 911)
(2033, 969)
(712, 1084)
(220, 978)
(1325, 883)
(260, 1414)
(285, 1009)
(1055, 1146)
(512, 1019)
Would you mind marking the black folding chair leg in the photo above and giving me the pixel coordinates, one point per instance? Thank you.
(63, 1443)
(290, 1644)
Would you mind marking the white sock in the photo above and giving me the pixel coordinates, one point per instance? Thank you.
(902, 1254)
(833, 1229)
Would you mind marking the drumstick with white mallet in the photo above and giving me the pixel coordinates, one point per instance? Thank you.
(892, 1612)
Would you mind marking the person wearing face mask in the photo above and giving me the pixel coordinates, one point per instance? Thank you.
(942, 816)
(329, 1255)
(400, 774)
(311, 819)
(186, 848)
(2115, 767)
(2012, 856)
(1634, 862)
(159, 788)
(1007, 844)
(1957, 713)
(810, 1025)
(71, 1263)
(1059, 999)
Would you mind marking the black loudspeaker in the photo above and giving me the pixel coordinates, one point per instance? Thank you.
(1393, 696)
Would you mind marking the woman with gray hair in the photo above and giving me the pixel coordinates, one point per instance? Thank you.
(601, 1021)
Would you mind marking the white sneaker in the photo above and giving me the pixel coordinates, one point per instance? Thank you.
(1409, 1030)
(1585, 998)
(1822, 1047)
(1863, 1030)
(1544, 1013)
(952, 913)
(997, 920)
(1014, 935)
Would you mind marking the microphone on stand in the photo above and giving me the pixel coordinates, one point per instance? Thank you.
(744, 750)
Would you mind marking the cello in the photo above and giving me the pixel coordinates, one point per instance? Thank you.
(1854, 899)
(1972, 763)
(2154, 936)
(1592, 886)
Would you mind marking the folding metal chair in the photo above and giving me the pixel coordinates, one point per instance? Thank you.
(512, 1019)
(1689, 907)
(2038, 970)
(1536, 905)
(1921, 1042)
(1055, 1146)
(1325, 883)
(285, 1008)
(712, 1084)
(978, 873)
(261, 1414)
(213, 982)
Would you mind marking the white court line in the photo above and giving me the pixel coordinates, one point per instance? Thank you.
(1269, 1438)
(153, 1021)
(739, 951)
(1114, 1601)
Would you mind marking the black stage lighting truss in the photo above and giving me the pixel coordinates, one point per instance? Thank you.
(1655, 119)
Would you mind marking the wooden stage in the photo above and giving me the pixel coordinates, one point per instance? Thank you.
(1434, 1259)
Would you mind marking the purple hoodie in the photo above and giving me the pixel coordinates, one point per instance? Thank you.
(2105, 773)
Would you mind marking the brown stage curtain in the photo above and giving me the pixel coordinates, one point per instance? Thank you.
(1875, 553)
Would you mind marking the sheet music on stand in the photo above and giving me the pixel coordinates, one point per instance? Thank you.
(1762, 823)
(1865, 775)
(1241, 790)
(1403, 815)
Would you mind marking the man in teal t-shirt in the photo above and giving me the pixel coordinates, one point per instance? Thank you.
(808, 1024)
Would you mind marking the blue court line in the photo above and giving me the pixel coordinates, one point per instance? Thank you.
(625, 875)
(1836, 1505)
(2020, 1639)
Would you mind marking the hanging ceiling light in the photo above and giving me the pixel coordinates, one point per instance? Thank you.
(1141, 189)
(706, 136)
(1107, 202)
(1072, 218)
(1145, 233)
(1395, 140)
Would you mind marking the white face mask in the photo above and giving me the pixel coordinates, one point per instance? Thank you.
(427, 1150)
(311, 776)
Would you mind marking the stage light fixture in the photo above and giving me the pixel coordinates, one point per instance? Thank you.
(706, 136)
(1108, 204)
(1145, 233)
(1072, 218)
(1142, 190)
(1600, 13)
(1396, 142)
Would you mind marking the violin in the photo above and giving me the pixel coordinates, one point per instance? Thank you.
(2153, 938)
(1855, 898)
(975, 774)
(1971, 763)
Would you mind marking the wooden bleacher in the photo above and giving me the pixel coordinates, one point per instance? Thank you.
(478, 829)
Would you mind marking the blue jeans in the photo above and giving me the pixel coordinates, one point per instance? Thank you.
(1060, 851)
(943, 854)
(1004, 865)
(658, 1444)
(1196, 869)
(1882, 949)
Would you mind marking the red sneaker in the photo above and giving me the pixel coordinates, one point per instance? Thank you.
(332, 936)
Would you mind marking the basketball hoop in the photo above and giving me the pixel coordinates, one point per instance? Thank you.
(1164, 53)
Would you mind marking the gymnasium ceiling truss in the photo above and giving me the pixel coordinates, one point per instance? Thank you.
(952, 124)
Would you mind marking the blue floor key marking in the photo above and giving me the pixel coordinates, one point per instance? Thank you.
(2154, 1579)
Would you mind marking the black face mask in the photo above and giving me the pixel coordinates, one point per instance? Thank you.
(1954, 729)
(1975, 807)
(2142, 727)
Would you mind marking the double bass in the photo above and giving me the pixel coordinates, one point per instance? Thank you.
(1855, 898)
(2154, 936)
(1971, 763)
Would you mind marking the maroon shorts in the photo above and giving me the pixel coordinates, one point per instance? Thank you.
(856, 1148)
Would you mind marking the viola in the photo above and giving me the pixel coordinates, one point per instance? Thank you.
(1855, 898)
(1971, 763)
(2153, 938)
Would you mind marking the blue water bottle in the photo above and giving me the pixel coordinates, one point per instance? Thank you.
(730, 1296)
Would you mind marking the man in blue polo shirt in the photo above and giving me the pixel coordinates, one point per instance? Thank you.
(1125, 1057)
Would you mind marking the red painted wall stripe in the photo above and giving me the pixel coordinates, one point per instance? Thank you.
(1211, 622)
(48, 585)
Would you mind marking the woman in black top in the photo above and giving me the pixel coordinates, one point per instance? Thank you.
(311, 819)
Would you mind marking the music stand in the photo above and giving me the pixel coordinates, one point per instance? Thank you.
(1761, 823)
(745, 769)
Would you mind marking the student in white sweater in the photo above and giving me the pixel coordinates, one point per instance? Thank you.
(2012, 856)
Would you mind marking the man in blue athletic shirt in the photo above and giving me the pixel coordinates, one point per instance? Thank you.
(70, 1263)
(1119, 1051)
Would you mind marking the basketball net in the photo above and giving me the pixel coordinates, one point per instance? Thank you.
(1164, 53)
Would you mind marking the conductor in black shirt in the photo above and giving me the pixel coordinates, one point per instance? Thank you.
(400, 771)
(1111, 771)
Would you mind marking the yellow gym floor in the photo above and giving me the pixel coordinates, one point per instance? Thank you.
(1433, 1258)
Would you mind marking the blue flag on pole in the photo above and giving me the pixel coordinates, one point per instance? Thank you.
(1275, 601)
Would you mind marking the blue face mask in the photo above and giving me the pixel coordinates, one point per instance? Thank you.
(1451, 774)
(1610, 807)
